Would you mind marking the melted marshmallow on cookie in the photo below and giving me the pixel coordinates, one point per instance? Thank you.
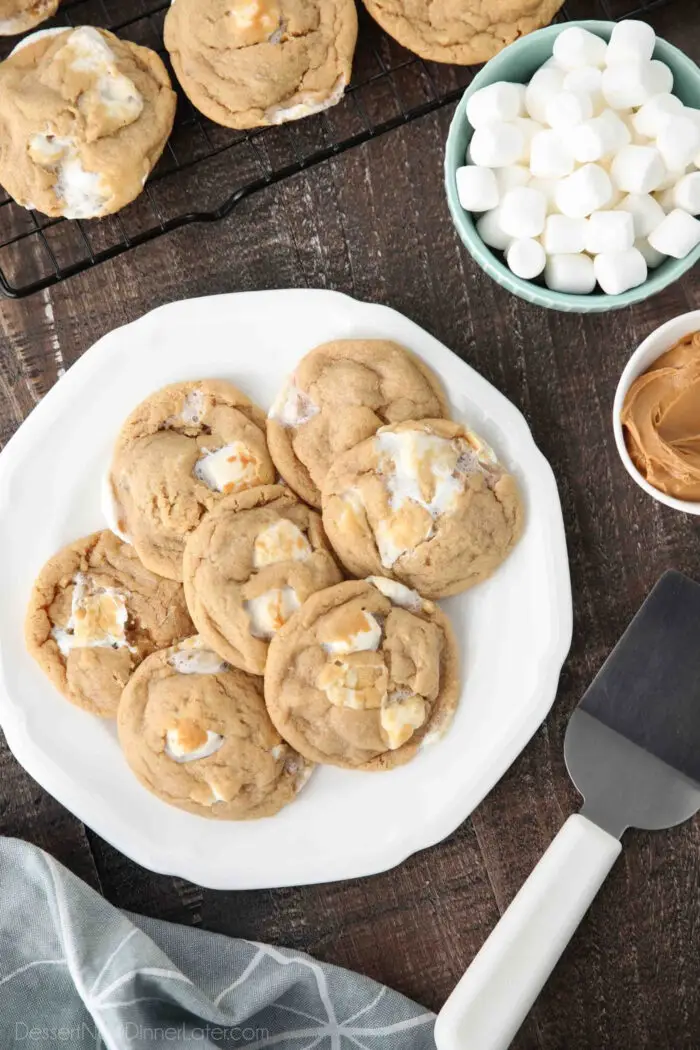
(282, 541)
(98, 618)
(292, 407)
(424, 474)
(229, 469)
(188, 742)
(271, 610)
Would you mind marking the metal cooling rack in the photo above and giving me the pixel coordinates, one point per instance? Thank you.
(206, 169)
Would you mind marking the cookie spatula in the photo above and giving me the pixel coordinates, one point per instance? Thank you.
(632, 748)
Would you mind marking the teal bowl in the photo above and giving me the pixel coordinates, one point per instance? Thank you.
(518, 62)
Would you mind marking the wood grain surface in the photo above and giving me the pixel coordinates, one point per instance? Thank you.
(374, 223)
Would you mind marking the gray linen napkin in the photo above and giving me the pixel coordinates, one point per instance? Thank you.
(74, 971)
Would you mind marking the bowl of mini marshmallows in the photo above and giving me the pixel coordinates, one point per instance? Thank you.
(573, 166)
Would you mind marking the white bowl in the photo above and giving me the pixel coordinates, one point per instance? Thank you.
(660, 340)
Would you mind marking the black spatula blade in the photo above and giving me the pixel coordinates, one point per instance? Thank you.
(633, 744)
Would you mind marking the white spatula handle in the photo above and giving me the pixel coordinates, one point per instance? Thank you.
(492, 999)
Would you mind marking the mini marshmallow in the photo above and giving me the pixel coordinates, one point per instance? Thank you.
(576, 47)
(691, 113)
(668, 182)
(550, 156)
(686, 193)
(651, 256)
(548, 188)
(646, 212)
(677, 235)
(666, 199)
(564, 235)
(678, 141)
(497, 144)
(510, 176)
(523, 212)
(586, 79)
(616, 272)
(489, 228)
(529, 128)
(570, 273)
(609, 231)
(545, 84)
(599, 137)
(499, 101)
(628, 84)
(526, 258)
(477, 188)
(630, 39)
(567, 109)
(651, 117)
(635, 138)
(584, 191)
(662, 77)
(637, 169)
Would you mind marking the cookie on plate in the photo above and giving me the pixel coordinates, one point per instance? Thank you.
(426, 503)
(17, 16)
(84, 117)
(95, 612)
(196, 733)
(464, 33)
(340, 394)
(249, 63)
(249, 565)
(362, 675)
(179, 453)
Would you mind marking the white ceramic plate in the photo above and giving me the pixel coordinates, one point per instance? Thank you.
(514, 631)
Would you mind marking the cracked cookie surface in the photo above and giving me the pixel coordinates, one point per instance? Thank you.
(339, 394)
(179, 453)
(95, 613)
(362, 675)
(250, 63)
(463, 32)
(84, 117)
(196, 733)
(17, 16)
(249, 565)
(425, 503)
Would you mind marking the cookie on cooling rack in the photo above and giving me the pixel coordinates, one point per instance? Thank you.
(339, 394)
(362, 675)
(464, 33)
(94, 614)
(425, 502)
(250, 63)
(180, 452)
(196, 733)
(84, 117)
(17, 16)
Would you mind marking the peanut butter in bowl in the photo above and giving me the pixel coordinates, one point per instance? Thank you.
(661, 421)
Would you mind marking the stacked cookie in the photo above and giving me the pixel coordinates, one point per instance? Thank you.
(214, 618)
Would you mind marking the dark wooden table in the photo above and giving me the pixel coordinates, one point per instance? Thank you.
(374, 223)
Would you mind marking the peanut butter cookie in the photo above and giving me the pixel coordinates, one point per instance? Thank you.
(94, 614)
(363, 674)
(248, 566)
(248, 63)
(84, 116)
(17, 16)
(179, 453)
(462, 32)
(196, 733)
(424, 502)
(340, 394)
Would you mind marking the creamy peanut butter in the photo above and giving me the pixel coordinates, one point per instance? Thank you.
(661, 421)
